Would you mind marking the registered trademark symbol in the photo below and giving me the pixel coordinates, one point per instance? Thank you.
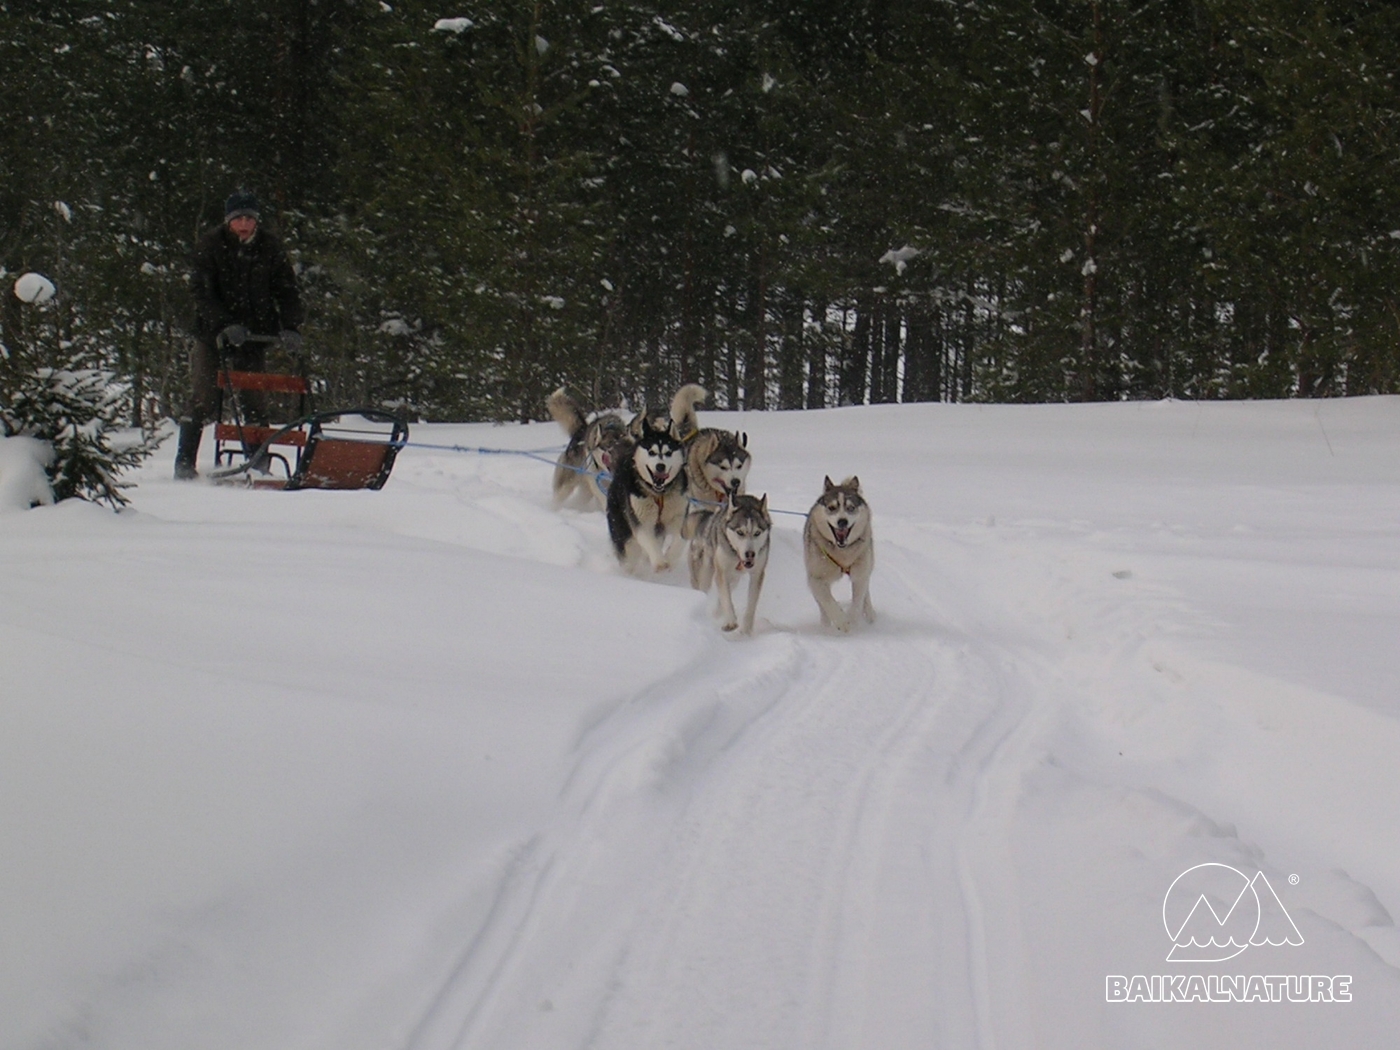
(1293, 880)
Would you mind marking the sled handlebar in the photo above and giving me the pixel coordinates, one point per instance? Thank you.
(266, 340)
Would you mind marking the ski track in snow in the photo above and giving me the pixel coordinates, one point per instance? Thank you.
(753, 909)
(938, 831)
(774, 796)
(785, 769)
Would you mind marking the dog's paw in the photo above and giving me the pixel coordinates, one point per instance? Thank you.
(731, 625)
(661, 566)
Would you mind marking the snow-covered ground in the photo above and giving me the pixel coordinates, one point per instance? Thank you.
(420, 769)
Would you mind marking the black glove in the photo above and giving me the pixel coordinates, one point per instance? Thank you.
(291, 340)
(234, 335)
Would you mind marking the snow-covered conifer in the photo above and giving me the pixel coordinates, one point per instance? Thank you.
(79, 412)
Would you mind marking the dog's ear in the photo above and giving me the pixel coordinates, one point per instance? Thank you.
(634, 428)
(827, 486)
(763, 503)
(852, 483)
(743, 440)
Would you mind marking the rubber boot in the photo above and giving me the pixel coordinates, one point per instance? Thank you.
(190, 433)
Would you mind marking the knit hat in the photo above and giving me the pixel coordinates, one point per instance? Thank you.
(241, 203)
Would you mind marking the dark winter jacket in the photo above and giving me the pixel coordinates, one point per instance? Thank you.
(249, 284)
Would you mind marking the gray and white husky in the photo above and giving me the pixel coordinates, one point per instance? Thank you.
(717, 461)
(647, 496)
(837, 541)
(734, 541)
(586, 463)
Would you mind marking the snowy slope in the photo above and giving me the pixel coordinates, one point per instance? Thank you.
(420, 769)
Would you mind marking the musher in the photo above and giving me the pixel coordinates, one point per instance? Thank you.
(243, 285)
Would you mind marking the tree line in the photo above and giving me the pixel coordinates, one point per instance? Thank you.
(797, 204)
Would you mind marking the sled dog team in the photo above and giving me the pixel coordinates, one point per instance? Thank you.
(662, 479)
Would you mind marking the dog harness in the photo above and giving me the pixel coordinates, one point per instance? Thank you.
(844, 571)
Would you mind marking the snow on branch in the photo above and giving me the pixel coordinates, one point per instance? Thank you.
(452, 25)
(899, 257)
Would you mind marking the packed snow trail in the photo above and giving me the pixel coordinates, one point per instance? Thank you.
(812, 840)
(474, 788)
(726, 844)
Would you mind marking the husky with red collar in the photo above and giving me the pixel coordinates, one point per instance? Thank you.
(647, 496)
(733, 543)
(717, 461)
(837, 541)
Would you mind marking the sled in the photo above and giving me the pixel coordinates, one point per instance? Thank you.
(341, 449)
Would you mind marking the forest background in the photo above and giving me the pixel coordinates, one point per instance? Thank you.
(795, 204)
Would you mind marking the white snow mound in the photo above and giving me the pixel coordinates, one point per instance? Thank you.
(23, 482)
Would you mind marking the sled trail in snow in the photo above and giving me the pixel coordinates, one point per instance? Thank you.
(811, 787)
(809, 840)
(474, 788)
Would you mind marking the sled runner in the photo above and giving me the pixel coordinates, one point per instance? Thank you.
(341, 449)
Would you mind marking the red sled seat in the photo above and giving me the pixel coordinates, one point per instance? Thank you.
(327, 451)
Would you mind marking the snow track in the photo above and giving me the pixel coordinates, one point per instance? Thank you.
(737, 849)
(475, 789)
(816, 841)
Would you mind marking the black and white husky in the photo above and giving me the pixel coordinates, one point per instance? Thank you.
(586, 463)
(734, 541)
(647, 497)
(717, 461)
(837, 541)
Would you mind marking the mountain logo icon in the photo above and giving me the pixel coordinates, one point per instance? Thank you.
(1213, 912)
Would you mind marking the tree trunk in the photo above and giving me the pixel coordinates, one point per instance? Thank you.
(890, 350)
(1090, 368)
(791, 352)
(856, 356)
(816, 357)
(875, 359)
(755, 360)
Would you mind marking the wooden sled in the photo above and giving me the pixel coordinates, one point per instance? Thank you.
(343, 449)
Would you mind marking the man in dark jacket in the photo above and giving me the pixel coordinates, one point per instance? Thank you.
(243, 286)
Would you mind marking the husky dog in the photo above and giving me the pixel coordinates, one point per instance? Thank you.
(837, 541)
(647, 496)
(733, 541)
(716, 461)
(587, 461)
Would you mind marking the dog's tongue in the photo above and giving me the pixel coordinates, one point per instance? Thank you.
(840, 535)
